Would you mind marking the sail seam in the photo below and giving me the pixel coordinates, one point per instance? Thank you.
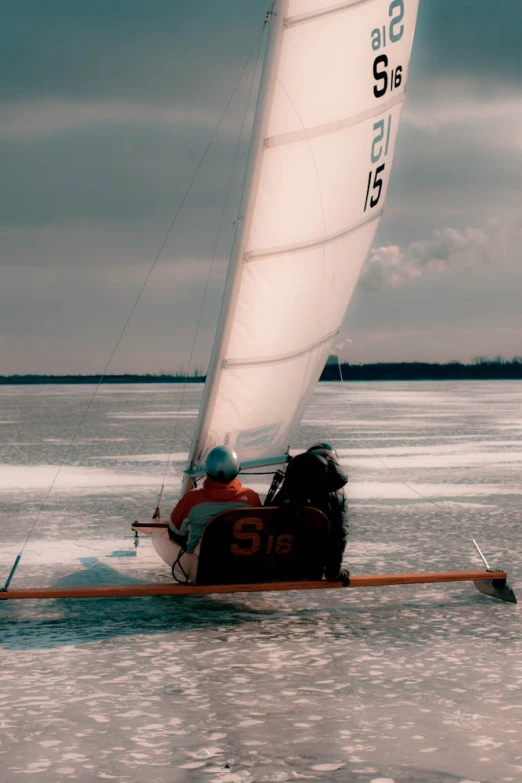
(292, 21)
(278, 359)
(312, 243)
(333, 127)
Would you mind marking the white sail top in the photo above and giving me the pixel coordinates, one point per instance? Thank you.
(326, 123)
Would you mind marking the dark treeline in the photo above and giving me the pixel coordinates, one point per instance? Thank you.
(95, 379)
(481, 369)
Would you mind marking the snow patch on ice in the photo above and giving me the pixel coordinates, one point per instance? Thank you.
(445, 460)
(176, 456)
(328, 767)
(394, 490)
(29, 477)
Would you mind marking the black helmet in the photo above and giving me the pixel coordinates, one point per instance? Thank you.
(336, 477)
(321, 447)
(306, 473)
(222, 464)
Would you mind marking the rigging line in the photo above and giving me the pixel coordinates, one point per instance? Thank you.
(213, 258)
(445, 511)
(147, 278)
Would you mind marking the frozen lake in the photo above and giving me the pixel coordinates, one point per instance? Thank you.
(417, 684)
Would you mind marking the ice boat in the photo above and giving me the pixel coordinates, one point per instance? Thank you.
(329, 104)
(328, 110)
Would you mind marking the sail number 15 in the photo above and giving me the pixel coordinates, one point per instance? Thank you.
(380, 144)
(375, 187)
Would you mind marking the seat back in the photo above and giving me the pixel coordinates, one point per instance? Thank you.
(249, 545)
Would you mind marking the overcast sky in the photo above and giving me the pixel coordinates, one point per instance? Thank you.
(106, 108)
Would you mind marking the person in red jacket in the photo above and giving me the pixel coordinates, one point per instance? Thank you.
(221, 490)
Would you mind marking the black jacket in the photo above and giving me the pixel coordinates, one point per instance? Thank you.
(316, 479)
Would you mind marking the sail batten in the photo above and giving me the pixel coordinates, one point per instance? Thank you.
(326, 124)
(255, 255)
(283, 358)
(305, 134)
(338, 8)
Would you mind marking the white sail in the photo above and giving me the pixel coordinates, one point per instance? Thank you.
(330, 101)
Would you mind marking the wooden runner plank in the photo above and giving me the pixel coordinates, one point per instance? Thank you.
(132, 590)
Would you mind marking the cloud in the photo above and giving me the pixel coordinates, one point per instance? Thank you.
(104, 117)
(480, 37)
(495, 118)
(341, 343)
(114, 173)
(458, 175)
(155, 51)
(69, 320)
(29, 119)
(446, 250)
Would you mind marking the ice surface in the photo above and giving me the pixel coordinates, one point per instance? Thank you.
(15, 477)
(180, 456)
(417, 684)
(152, 415)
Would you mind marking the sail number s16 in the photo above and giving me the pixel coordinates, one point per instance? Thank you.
(247, 531)
(384, 79)
(392, 32)
(387, 79)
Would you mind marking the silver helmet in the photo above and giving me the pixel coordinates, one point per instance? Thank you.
(222, 464)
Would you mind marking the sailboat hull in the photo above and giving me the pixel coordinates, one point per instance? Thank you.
(170, 552)
(173, 555)
(497, 588)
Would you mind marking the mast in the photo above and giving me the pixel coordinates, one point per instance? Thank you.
(275, 18)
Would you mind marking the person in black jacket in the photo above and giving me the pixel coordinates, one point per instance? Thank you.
(316, 479)
(337, 509)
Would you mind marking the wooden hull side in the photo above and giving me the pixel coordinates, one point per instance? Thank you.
(170, 552)
(496, 588)
(365, 580)
(166, 549)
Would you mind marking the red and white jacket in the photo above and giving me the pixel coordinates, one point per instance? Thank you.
(197, 506)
